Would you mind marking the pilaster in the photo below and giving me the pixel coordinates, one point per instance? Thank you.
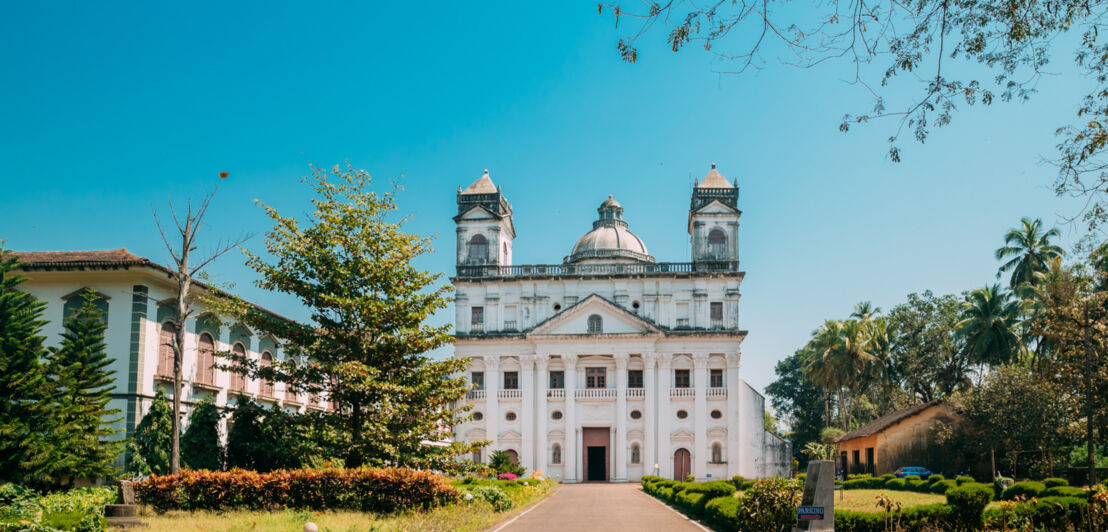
(542, 413)
(492, 402)
(665, 451)
(621, 417)
(701, 444)
(527, 383)
(734, 453)
(570, 460)
(650, 412)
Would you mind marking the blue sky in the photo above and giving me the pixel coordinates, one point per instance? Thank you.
(111, 108)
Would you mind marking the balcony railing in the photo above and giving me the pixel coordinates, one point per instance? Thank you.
(596, 393)
(493, 270)
(509, 394)
(717, 392)
(717, 324)
(475, 395)
(556, 394)
(682, 323)
(636, 392)
(682, 392)
(510, 325)
(477, 327)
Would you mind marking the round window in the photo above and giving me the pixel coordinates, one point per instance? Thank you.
(716, 414)
(681, 414)
(635, 305)
(556, 415)
(557, 307)
(636, 414)
(510, 416)
(477, 416)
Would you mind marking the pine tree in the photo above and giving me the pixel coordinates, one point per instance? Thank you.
(25, 453)
(82, 436)
(149, 451)
(245, 442)
(200, 445)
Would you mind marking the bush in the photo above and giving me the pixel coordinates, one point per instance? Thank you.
(896, 484)
(967, 503)
(495, 496)
(963, 479)
(769, 506)
(363, 489)
(723, 512)
(802, 477)
(1055, 482)
(888, 476)
(869, 483)
(942, 486)
(912, 477)
(1028, 489)
(713, 489)
(915, 519)
(1063, 491)
(79, 509)
(935, 478)
(918, 486)
(1048, 513)
(692, 502)
(502, 462)
(738, 481)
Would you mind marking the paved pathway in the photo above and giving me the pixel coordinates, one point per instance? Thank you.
(607, 507)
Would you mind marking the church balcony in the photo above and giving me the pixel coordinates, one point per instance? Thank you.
(510, 325)
(717, 324)
(717, 392)
(510, 394)
(476, 327)
(682, 323)
(476, 395)
(682, 392)
(596, 393)
(570, 269)
(635, 393)
(556, 394)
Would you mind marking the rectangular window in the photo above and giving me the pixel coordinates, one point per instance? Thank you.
(477, 316)
(557, 380)
(869, 460)
(595, 378)
(511, 380)
(681, 378)
(716, 380)
(717, 311)
(634, 378)
(857, 461)
(477, 378)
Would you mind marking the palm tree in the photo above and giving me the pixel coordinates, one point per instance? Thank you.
(990, 319)
(865, 311)
(842, 357)
(1028, 250)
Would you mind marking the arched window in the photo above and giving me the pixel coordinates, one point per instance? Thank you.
(717, 243)
(635, 455)
(205, 358)
(479, 248)
(290, 393)
(596, 324)
(556, 454)
(238, 380)
(266, 389)
(477, 456)
(717, 453)
(166, 337)
(513, 455)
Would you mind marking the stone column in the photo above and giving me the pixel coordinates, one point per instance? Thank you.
(492, 402)
(701, 445)
(527, 439)
(612, 456)
(569, 456)
(542, 412)
(579, 444)
(650, 412)
(733, 452)
(664, 452)
(620, 455)
(461, 244)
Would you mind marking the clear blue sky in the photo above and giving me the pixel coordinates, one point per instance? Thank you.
(110, 108)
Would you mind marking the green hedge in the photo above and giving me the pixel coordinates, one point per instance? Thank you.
(896, 484)
(713, 489)
(1048, 513)
(967, 502)
(80, 509)
(963, 479)
(1064, 491)
(723, 512)
(869, 483)
(1055, 482)
(1030, 488)
(942, 486)
(915, 519)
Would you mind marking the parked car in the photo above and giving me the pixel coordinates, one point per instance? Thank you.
(921, 472)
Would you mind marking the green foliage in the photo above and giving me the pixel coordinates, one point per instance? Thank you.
(869, 483)
(968, 501)
(1054, 482)
(79, 510)
(942, 486)
(1063, 491)
(830, 435)
(737, 481)
(1028, 489)
(963, 479)
(723, 512)
(149, 450)
(265, 440)
(798, 401)
(245, 443)
(201, 447)
(501, 462)
(713, 489)
(350, 262)
(896, 484)
(769, 505)
(495, 496)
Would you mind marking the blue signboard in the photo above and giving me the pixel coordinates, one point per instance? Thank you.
(809, 513)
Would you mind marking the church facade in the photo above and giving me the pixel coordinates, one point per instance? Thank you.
(610, 365)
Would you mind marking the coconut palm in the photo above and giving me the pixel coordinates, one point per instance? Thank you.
(865, 311)
(989, 325)
(842, 357)
(1027, 249)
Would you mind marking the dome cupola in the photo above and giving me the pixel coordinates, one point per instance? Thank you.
(609, 240)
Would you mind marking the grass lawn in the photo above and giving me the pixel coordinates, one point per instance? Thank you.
(866, 500)
(464, 516)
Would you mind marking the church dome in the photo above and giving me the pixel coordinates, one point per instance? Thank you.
(609, 240)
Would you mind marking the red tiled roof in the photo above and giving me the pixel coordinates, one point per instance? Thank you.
(886, 421)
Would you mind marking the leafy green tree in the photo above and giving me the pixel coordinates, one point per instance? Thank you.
(25, 452)
(150, 448)
(926, 355)
(990, 326)
(799, 401)
(350, 263)
(1028, 250)
(201, 447)
(842, 358)
(82, 437)
(245, 441)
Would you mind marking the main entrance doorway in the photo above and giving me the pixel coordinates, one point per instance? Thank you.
(595, 442)
(682, 464)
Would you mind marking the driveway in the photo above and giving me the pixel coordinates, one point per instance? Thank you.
(607, 507)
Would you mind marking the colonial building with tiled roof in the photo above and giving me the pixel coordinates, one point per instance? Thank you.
(610, 365)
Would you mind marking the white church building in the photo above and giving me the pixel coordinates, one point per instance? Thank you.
(610, 365)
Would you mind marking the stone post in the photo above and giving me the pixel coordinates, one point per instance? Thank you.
(819, 496)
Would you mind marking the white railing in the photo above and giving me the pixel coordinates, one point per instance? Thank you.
(682, 392)
(636, 392)
(558, 393)
(596, 393)
(475, 394)
(477, 327)
(509, 325)
(717, 392)
(509, 394)
(682, 323)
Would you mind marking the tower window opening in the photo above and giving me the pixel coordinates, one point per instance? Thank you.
(479, 248)
(717, 243)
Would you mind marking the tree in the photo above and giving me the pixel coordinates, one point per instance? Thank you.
(841, 358)
(865, 311)
(81, 387)
(245, 443)
(25, 453)
(1028, 251)
(926, 356)
(350, 264)
(150, 449)
(184, 272)
(201, 447)
(990, 326)
(945, 47)
(799, 401)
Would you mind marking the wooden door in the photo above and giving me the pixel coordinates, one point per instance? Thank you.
(682, 464)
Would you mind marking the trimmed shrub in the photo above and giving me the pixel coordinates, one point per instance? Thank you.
(746, 485)
(858, 476)
(896, 484)
(941, 486)
(713, 489)
(497, 497)
(888, 476)
(1028, 489)
(693, 503)
(364, 489)
(914, 519)
(769, 506)
(967, 502)
(1048, 513)
(919, 485)
(912, 477)
(1064, 491)
(723, 512)
(935, 478)
(802, 476)
(738, 481)
(869, 483)
(963, 480)
(666, 494)
(1055, 482)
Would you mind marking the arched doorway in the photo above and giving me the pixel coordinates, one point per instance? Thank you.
(682, 464)
(513, 455)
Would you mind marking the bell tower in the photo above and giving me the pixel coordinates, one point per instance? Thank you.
(714, 219)
(485, 229)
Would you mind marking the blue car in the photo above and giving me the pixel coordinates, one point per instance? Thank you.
(921, 472)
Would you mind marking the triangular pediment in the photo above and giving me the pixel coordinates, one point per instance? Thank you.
(575, 320)
(477, 213)
(716, 207)
(682, 434)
